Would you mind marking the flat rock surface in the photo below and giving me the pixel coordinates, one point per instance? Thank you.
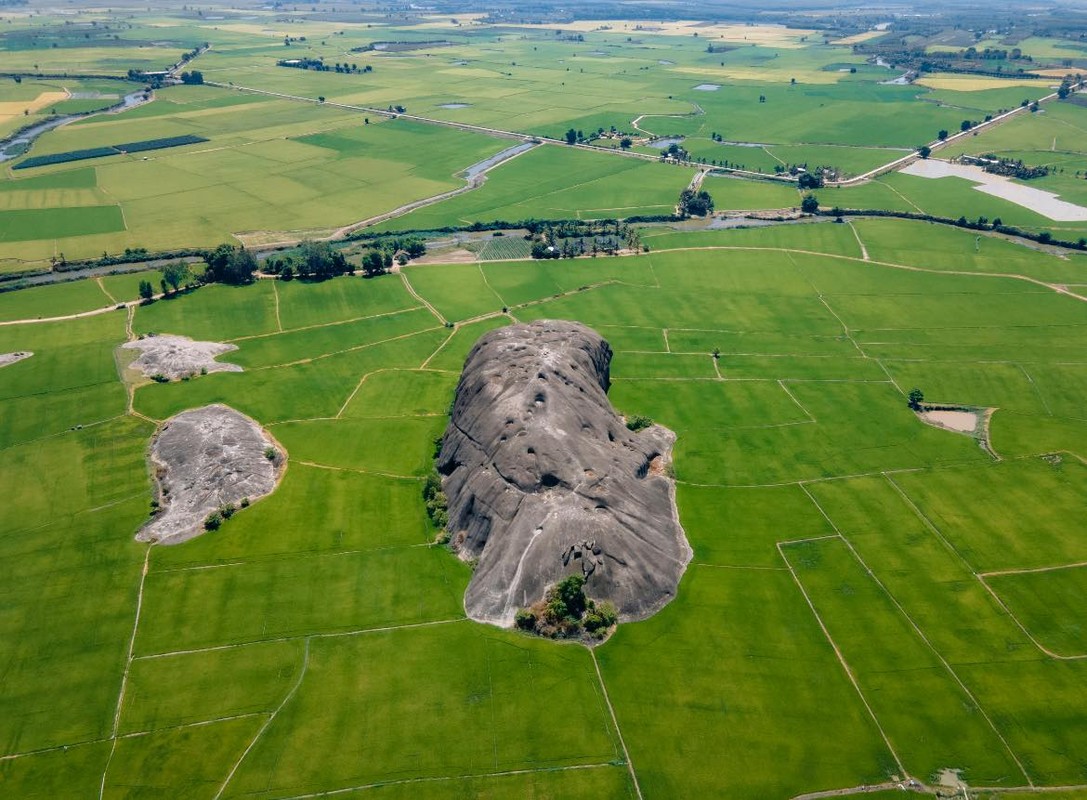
(203, 459)
(544, 479)
(174, 357)
(10, 358)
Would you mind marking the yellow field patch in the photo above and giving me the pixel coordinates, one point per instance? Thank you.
(1052, 73)
(744, 73)
(15, 108)
(857, 38)
(973, 83)
(770, 35)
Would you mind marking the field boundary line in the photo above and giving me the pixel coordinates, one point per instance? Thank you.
(277, 639)
(184, 725)
(124, 674)
(804, 481)
(738, 566)
(443, 779)
(279, 322)
(355, 391)
(857, 236)
(411, 290)
(1029, 570)
(838, 653)
(615, 722)
(356, 348)
(332, 324)
(360, 471)
(924, 638)
(822, 299)
(781, 383)
(429, 358)
(1059, 288)
(1011, 615)
(852, 790)
(279, 557)
(487, 283)
(267, 722)
(105, 291)
(901, 196)
(1034, 387)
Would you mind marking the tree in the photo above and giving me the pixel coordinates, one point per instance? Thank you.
(916, 398)
(176, 274)
(147, 291)
(809, 181)
(942, 135)
(320, 260)
(810, 204)
(1064, 91)
(966, 125)
(567, 599)
(695, 205)
(626, 142)
(925, 151)
(571, 136)
(233, 265)
(373, 263)
(194, 78)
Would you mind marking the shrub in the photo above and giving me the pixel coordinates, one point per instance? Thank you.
(525, 619)
(639, 422)
(213, 521)
(271, 453)
(227, 510)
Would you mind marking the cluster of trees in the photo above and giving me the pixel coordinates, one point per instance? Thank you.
(675, 153)
(437, 506)
(993, 54)
(572, 238)
(810, 180)
(194, 78)
(312, 260)
(1010, 167)
(319, 65)
(174, 276)
(692, 204)
(566, 613)
(232, 265)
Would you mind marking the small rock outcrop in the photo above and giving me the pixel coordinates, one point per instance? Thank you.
(10, 358)
(544, 479)
(174, 357)
(204, 460)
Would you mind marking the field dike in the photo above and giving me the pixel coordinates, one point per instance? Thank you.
(544, 480)
(205, 461)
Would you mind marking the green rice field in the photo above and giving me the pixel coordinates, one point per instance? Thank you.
(854, 567)
(877, 602)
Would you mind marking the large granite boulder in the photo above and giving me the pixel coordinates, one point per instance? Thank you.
(544, 479)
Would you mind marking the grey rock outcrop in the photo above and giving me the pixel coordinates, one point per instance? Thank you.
(10, 358)
(203, 459)
(176, 357)
(544, 479)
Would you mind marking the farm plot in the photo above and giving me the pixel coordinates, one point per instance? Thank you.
(856, 571)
